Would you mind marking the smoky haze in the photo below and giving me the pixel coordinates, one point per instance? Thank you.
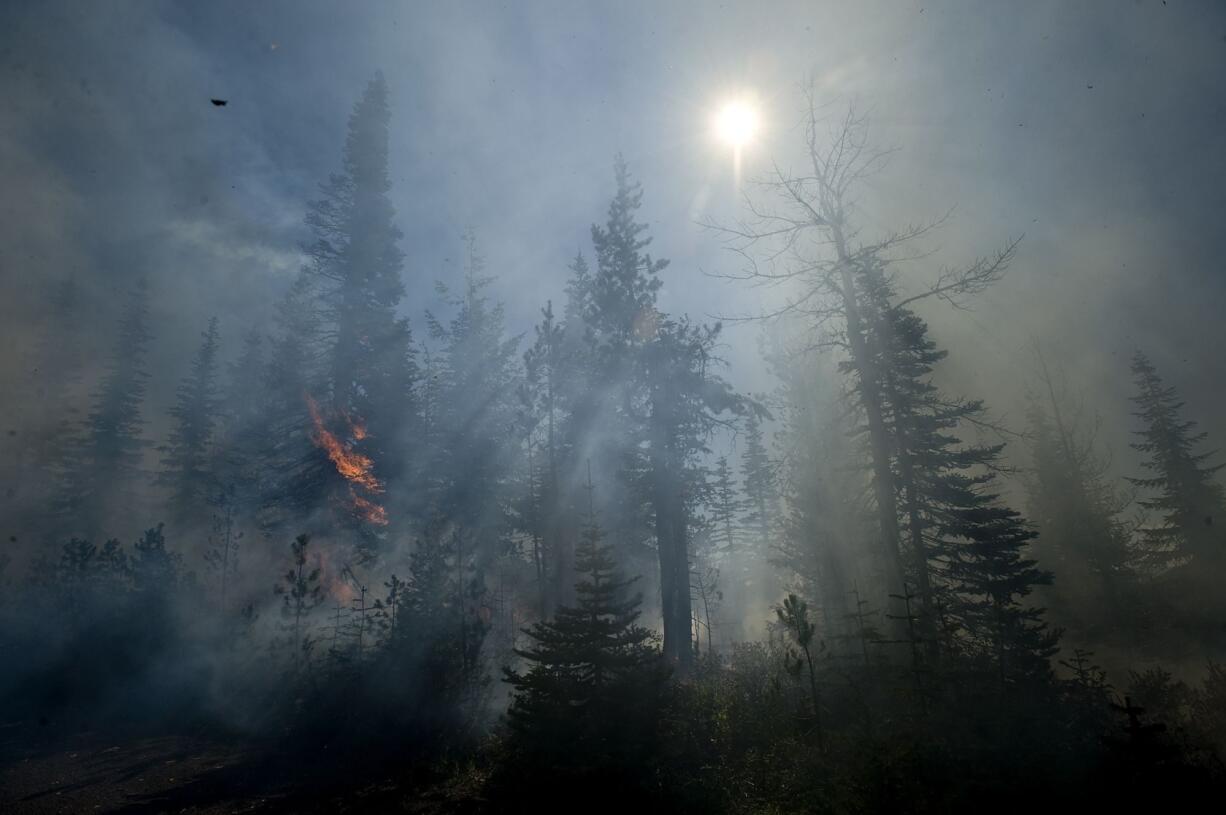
(183, 149)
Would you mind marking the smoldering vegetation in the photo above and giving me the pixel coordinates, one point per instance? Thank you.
(441, 565)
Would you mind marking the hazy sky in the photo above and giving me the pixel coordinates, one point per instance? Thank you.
(1093, 128)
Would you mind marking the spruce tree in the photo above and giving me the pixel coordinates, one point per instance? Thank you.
(723, 510)
(244, 429)
(301, 593)
(100, 466)
(965, 550)
(593, 671)
(1188, 502)
(187, 456)
(684, 399)
(1075, 510)
(542, 402)
(759, 484)
(354, 356)
(294, 472)
(471, 446)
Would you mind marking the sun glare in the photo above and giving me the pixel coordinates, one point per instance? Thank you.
(736, 123)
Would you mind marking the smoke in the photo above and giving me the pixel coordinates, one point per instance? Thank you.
(1092, 131)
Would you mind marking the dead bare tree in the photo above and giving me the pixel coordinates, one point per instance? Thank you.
(799, 237)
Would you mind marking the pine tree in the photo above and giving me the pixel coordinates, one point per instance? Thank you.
(1076, 511)
(245, 417)
(101, 464)
(294, 472)
(472, 444)
(593, 670)
(758, 477)
(760, 515)
(358, 263)
(793, 613)
(51, 406)
(187, 465)
(1186, 498)
(965, 550)
(823, 496)
(685, 397)
(354, 356)
(302, 593)
(724, 509)
(541, 398)
(438, 656)
(224, 539)
(623, 290)
(154, 568)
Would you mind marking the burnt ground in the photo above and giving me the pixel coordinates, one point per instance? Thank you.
(44, 771)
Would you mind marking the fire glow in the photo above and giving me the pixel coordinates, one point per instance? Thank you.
(355, 468)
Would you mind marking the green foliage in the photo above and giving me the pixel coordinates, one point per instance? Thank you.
(587, 706)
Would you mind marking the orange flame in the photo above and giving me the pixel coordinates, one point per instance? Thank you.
(354, 467)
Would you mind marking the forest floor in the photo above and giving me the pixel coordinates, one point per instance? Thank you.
(88, 772)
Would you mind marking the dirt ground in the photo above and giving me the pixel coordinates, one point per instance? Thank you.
(47, 772)
(87, 773)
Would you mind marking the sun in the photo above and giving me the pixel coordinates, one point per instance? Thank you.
(736, 123)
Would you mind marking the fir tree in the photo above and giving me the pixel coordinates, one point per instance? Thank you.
(294, 472)
(1076, 511)
(965, 551)
(723, 510)
(244, 429)
(1188, 502)
(471, 447)
(593, 670)
(684, 399)
(438, 655)
(793, 613)
(541, 398)
(187, 456)
(760, 487)
(358, 262)
(224, 539)
(101, 465)
(301, 593)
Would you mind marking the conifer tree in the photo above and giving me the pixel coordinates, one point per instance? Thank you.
(302, 593)
(965, 550)
(438, 612)
(593, 669)
(759, 484)
(685, 398)
(52, 404)
(244, 427)
(187, 456)
(1076, 512)
(224, 540)
(723, 509)
(294, 473)
(542, 400)
(101, 464)
(472, 441)
(357, 261)
(343, 344)
(1188, 502)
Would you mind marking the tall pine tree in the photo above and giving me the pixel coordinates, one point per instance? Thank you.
(1188, 502)
(187, 465)
(101, 465)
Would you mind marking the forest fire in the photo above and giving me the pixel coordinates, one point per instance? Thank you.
(355, 468)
